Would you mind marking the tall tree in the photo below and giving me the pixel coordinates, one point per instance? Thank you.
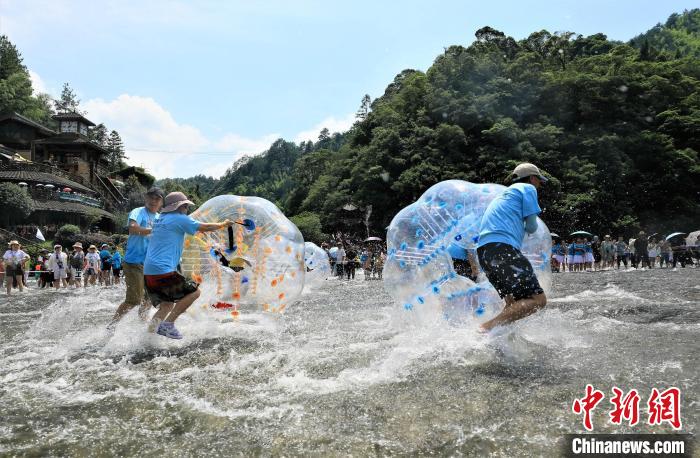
(10, 59)
(99, 135)
(363, 111)
(68, 101)
(115, 146)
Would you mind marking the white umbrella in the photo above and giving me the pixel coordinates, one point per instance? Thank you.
(22, 183)
(692, 237)
(49, 186)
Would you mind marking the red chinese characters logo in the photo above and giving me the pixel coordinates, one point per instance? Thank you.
(586, 404)
(626, 408)
(663, 407)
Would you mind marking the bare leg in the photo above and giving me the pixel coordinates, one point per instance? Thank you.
(516, 310)
(182, 305)
(164, 310)
(20, 282)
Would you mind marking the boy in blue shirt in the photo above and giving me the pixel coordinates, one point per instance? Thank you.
(105, 264)
(140, 224)
(168, 289)
(503, 226)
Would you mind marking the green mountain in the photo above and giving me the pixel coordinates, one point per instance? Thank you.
(615, 126)
(678, 37)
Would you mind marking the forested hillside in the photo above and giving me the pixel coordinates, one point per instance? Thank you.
(614, 125)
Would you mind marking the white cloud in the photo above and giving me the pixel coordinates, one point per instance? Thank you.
(332, 123)
(38, 84)
(167, 148)
(154, 139)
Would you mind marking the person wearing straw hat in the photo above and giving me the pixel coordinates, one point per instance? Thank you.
(14, 259)
(503, 226)
(92, 266)
(58, 263)
(140, 223)
(77, 264)
(171, 292)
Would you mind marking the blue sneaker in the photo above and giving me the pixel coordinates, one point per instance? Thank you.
(168, 329)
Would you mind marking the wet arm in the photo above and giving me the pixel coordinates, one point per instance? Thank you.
(135, 229)
(531, 224)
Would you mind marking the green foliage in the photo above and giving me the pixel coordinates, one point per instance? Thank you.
(310, 226)
(615, 129)
(15, 203)
(136, 195)
(115, 147)
(678, 37)
(198, 188)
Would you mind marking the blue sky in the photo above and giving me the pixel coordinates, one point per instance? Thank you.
(191, 86)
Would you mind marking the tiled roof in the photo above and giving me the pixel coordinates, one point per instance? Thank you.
(69, 207)
(71, 138)
(41, 177)
(21, 119)
(72, 117)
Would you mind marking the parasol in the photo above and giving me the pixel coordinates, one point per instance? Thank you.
(675, 234)
(583, 233)
(373, 239)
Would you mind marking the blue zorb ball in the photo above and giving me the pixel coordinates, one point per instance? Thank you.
(423, 239)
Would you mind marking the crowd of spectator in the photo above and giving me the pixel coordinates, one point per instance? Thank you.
(641, 252)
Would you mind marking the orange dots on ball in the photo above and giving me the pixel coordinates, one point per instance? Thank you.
(288, 249)
(274, 282)
(235, 313)
(266, 307)
(293, 274)
(280, 278)
(236, 295)
(278, 238)
(187, 243)
(268, 250)
(198, 278)
(281, 296)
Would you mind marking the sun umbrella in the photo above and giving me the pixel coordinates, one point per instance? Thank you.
(49, 186)
(553, 235)
(67, 189)
(675, 234)
(373, 239)
(584, 233)
(22, 183)
(40, 185)
(652, 235)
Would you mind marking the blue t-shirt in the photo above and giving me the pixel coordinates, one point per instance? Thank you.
(137, 245)
(105, 257)
(117, 260)
(504, 218)
(167, 240)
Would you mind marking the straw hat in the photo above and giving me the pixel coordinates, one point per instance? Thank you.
(78, 245)
(92, 247)
(13, 242)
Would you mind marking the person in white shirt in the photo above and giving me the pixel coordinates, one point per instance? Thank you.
(58, 263)
(14, 259)
(340, 261)
(92, 266)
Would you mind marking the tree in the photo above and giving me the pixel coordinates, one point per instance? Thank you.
(363, 111)
(309, 225)
(324, 135)
(14, 202)
(68, 102)
(115, 147)
(10, 59)
(98, 135)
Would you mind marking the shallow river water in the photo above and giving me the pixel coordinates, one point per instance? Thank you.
(344, 372)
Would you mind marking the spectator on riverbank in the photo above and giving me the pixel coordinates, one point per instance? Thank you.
(58, 263)
(666, 253)
(14, 259)
(45, 274)
(92, 266)
(117, 266)
(105, 265)
(608, 252)
(641, 250)
(653, 252)
(77, 263)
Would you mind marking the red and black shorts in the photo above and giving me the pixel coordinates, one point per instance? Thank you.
(170, 287)
(509, 271)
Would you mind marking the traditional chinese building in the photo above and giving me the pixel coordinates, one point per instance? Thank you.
(63, 171)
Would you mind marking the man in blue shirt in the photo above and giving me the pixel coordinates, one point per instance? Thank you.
(168, 289)
(501, 234)
(140, 225)
(105, 264)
